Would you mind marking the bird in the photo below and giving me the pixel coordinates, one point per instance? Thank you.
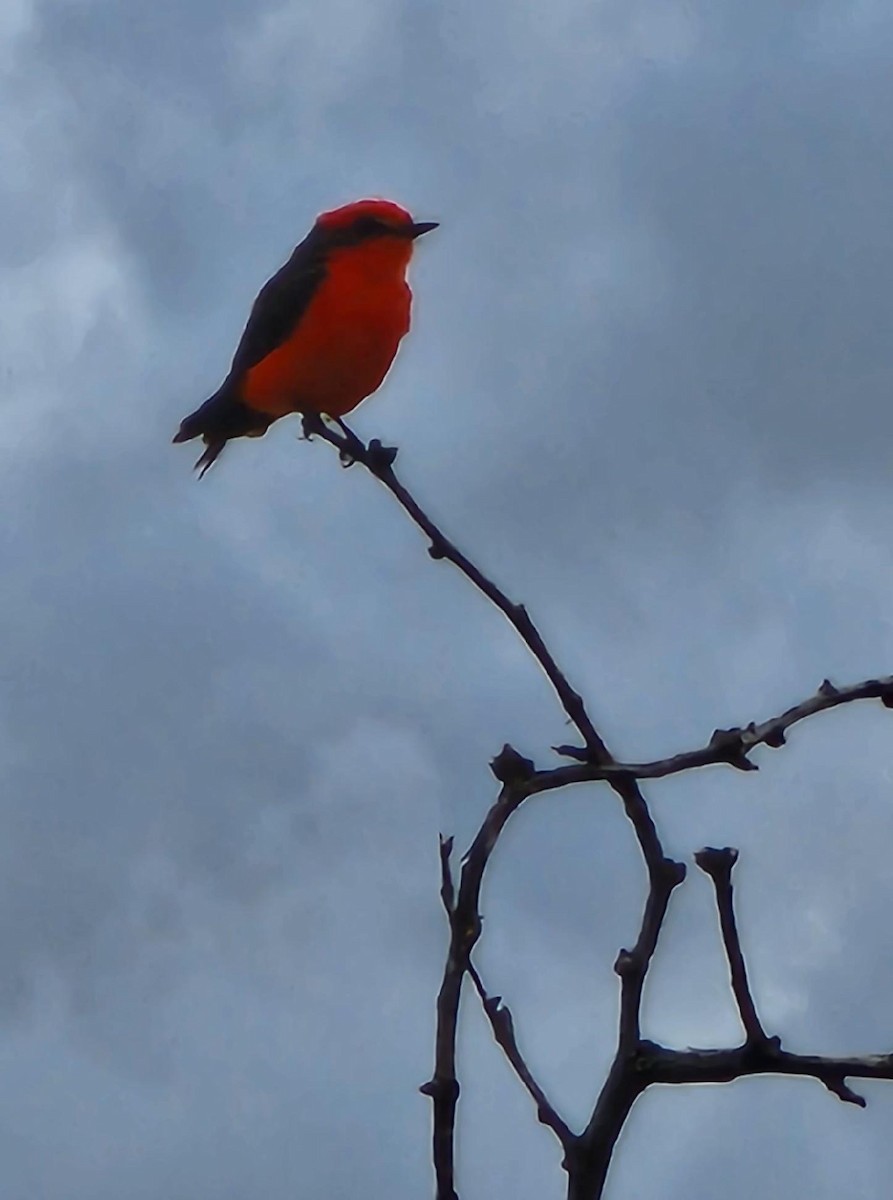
(322, 332)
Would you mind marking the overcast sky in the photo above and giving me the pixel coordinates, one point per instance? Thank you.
(648, 386)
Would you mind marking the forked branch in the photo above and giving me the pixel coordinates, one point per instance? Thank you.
(731, 747)
(638, 1063)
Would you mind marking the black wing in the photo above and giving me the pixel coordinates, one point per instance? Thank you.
(280, 304)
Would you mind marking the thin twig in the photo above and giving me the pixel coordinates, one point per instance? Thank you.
(637, 811)
(588, 1165)
(462, 907)
(632, 965)
(379, 460)
(503, 1029)
(661, 1065)
(718, 864)
(447, 889)
(731, 746)
(443, 1087)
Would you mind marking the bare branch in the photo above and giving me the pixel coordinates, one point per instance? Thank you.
(520, 779)
(462, 908)
(839, 1088)
(637, 1063)
(379, 460)
(443, 1087)
(590, 1157)
(503, 1028)
(731, 746)
(718, 865)
(516, 774)
(589, 1161)
(632, 965)
(447, 890)
(660, 1065)
(640, 818)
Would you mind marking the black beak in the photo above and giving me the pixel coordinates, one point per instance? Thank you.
(421, 227)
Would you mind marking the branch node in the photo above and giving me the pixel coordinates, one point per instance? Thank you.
(492, 1005)
(447, 890)
(842, 1091)
(648, 1049)
(827, 688)
(380, 457)
(727, 745)
(775, 739)
(438, 1088)
(760, 1049)
(715, 862)
(624, 964)
(580, 753)
(671, 873)
(467, 933)
(511, 767)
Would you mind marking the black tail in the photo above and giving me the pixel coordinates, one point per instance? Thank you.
(220, 418)
(209, 455)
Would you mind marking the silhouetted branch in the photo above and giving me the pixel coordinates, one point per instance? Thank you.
(637, 1063)
(443, 1087)
(632, 965)
(462, 907)
(503, 1028)
(588, 1163)
(640, 818)
(731, 746)
(660, 1065)
(379, 460)
(519, 778)
(447, 889)
(718, 865)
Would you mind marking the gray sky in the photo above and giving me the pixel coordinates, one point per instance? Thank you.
(648, 386)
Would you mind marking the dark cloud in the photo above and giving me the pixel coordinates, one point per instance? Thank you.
(647, 386)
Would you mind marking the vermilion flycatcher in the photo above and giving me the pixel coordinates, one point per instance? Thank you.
(323, 331)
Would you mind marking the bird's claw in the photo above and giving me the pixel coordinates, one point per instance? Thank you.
(351, 449)
(311, 423)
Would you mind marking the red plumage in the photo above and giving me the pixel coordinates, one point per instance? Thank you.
(323, 332)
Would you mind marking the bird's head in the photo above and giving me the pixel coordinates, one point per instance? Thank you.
(378, 232)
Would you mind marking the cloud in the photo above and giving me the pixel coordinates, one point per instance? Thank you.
(647, 387)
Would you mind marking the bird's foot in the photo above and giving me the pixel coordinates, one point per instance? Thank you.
(351, 449)
(311, 423)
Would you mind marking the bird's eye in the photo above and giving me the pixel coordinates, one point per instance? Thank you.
(368, 226)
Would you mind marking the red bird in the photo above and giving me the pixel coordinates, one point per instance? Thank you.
(323, 331)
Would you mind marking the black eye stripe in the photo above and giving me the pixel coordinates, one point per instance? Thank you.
(361, 229)
(370, 226)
